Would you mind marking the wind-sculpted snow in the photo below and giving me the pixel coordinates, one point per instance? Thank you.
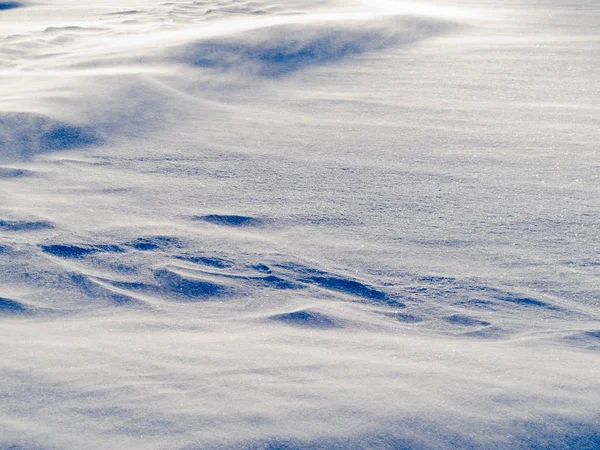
(17, 225)
(85, 62)
(123, 273)
(314, 225)
(9, 5)
(7, 172)
(228, 220)
(283, 49)
(10, 306)
(305, 318)
(23, 136)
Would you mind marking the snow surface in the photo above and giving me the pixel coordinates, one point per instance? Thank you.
(327, 224)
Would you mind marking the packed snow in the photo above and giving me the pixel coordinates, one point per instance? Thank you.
(361, 224)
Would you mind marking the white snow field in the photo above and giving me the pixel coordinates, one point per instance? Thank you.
(230, 224)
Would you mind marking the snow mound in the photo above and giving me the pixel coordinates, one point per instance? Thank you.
(10, 5)
(278, 50)
(25, 135)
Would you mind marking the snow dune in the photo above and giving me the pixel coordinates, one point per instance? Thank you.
(93, 80)
(244, 224)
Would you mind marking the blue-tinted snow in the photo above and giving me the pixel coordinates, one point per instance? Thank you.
(232, 224)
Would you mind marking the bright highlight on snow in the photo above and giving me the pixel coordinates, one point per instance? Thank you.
(299, 225)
